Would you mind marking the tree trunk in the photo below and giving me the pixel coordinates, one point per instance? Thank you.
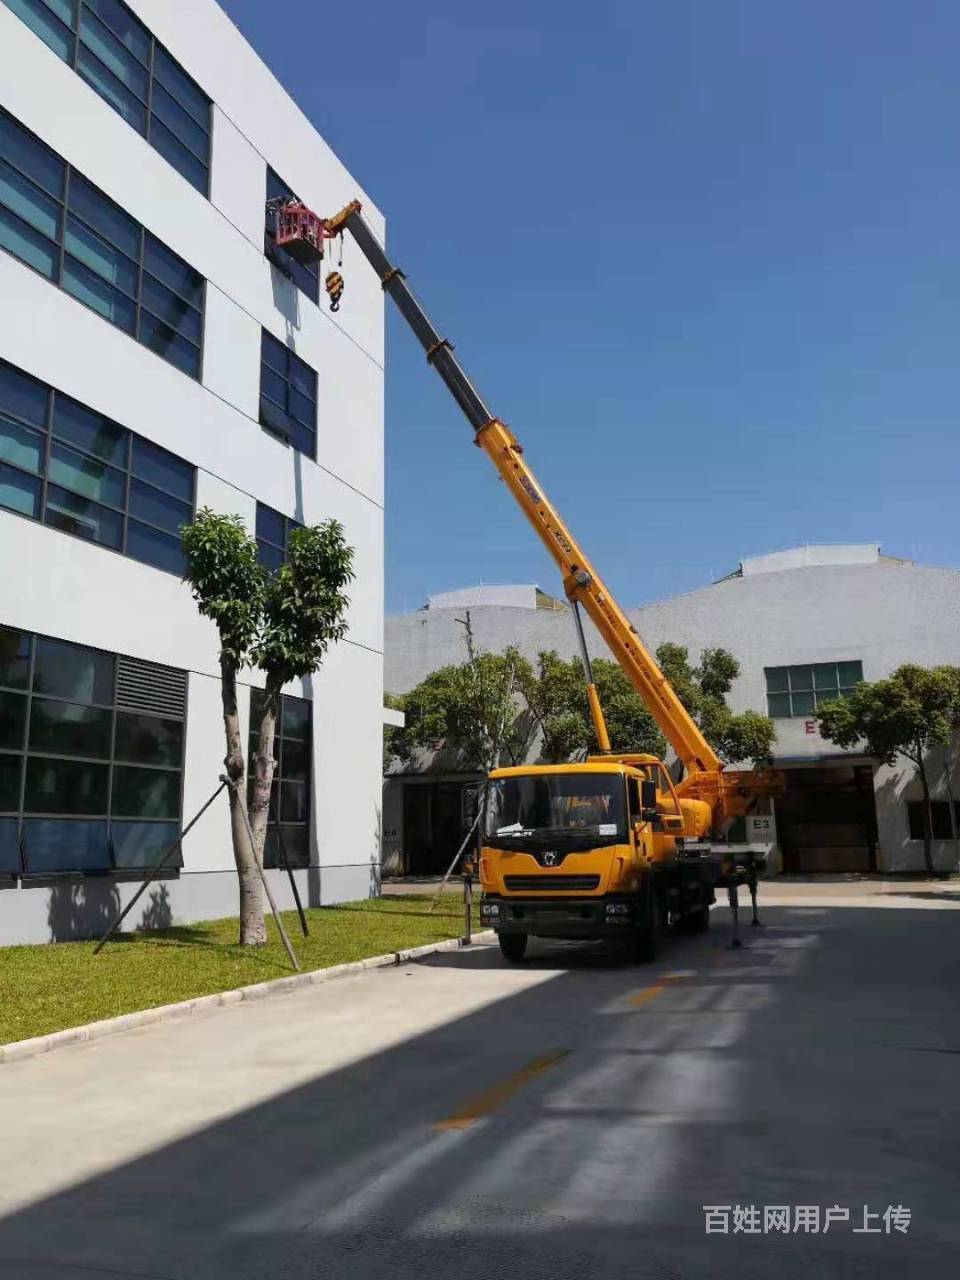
(954, 822)
(253, 931)
(264, 766)
(927, 815)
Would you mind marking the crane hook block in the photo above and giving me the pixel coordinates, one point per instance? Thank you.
(334, 287)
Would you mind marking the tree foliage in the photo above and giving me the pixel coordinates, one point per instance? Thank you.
(473, 707)
(503, 698)
(304, 603)
(226, 579)
(904, 714)
(703, 691)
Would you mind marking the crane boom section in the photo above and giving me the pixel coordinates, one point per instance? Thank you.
(581, 581)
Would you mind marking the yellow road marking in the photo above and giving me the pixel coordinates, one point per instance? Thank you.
(650, 993)
(492, 1099)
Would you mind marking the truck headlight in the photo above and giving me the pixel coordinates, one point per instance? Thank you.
(490, 908)
(617, 909)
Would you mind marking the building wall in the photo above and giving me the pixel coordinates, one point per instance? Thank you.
(881, 611)
(60, 586)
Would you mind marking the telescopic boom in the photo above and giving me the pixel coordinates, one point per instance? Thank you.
(581, 582)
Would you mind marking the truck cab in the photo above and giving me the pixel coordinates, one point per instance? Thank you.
(597, 850)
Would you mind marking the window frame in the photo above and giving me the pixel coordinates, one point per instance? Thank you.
(291, 361)
(915, 818)
(818, 695)
(110, 763)
(272, 859)
(50, 439)
(87, 17)
(289, 524)
(64, 256)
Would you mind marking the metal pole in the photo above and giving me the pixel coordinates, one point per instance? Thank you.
(153, 874)
(289, 870)
(593, 698)
(468, 908)
(752, 885)
(456, 859)
(734, 896)
(263, 879)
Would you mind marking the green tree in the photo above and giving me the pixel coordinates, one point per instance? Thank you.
(555, 693)
(282, 623)
(903, 715)
(474, 707)
(952, 677)
(703, 691)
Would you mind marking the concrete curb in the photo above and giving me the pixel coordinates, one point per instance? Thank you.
(20, 1049)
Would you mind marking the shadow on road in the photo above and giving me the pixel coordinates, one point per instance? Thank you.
(769, 1076)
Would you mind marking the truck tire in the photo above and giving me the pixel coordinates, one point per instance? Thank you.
(513, 946)
(649, 929)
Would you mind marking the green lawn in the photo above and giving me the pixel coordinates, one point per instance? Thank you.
(47, 988)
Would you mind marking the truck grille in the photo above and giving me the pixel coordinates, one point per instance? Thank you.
(547, 884)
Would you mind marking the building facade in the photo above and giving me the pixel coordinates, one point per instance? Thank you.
(804, 624)
(159, 354)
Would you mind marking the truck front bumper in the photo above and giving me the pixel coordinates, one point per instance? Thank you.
(604, 917)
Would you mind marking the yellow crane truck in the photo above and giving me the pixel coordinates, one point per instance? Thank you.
(612, 846)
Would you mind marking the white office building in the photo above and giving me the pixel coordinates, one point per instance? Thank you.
(158, 354)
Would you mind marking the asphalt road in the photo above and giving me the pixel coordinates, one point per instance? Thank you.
(566, 1120)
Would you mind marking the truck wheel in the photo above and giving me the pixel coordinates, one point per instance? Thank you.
(646, 939)
(513, 946)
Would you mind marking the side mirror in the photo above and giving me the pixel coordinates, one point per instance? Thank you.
(648, 800)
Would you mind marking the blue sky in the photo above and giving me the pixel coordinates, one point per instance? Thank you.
(702, 255)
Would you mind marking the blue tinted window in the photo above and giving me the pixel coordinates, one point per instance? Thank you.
(26, 153)
(22, 396)
(107, 262)
(9, 829)
(138, 845)
(179, 85)
(26, 244)
(291, 793)
(111, 89)
(151, 546)
(114, 54)
(132, 34)
(20, 445)
(162, 469)
(90, 288)
(90, 431)
(149, 504)
(288, 395)
(31, 204)
(96, 472)
(85, 785)
(172, 271)
(110, 263)
(19, 492)
(51, 845)
(52, 20)
(106, 218)
(273, 532)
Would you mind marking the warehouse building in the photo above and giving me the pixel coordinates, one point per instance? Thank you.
(804, 624)
(159, 353)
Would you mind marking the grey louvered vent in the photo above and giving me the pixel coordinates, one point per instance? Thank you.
(151, 689)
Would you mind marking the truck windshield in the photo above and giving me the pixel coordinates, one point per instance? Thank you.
(558, 806)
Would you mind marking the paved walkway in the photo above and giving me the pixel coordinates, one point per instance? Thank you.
(569, 1119)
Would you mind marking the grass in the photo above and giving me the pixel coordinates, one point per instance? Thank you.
(46, 988)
